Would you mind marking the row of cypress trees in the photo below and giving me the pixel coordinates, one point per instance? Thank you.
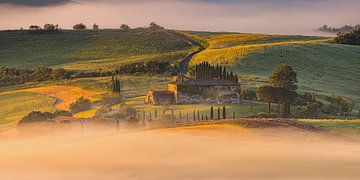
(206, 71)
(116, 85)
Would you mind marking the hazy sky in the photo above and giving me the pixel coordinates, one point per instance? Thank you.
(265, 16)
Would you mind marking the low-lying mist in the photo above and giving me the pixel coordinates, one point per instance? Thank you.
(275, 17)
(197, 152)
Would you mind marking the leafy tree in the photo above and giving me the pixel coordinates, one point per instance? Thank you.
(50, 27)
(154, 25)
(285, 77)
(267, 94)
(124, 27)
(79, 26)
(34, 28)
(285, 97)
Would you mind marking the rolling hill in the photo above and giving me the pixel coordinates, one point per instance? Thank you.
(323, 67)
(91, 50)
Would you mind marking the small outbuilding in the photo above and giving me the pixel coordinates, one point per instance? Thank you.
(160, 98)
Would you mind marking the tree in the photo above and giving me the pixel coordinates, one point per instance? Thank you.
(116, 85)
(224, 112)
(34, 28)
(124, 27)
(79, 26)
(95, 26)
(285, 77)
(267, 94)
(285, 97)
(218, 113)
(154, 25)
(211, 113)
(50, 27)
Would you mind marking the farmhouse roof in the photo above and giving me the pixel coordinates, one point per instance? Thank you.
(205, 82)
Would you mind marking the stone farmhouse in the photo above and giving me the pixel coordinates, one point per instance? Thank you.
(210, 85)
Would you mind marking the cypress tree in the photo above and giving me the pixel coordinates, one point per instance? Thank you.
(198, 115)
(224, 74)
(194, 116)
(218, 113)
(202, 116)
(220, 73)
(211, 113)
(112, 84)
(231, 76)
(224, 112)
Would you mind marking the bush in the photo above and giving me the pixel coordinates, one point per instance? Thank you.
(79, 26)
(339, 104)
(81, 104)
(247, 94)
(264, 115)
(36, 116)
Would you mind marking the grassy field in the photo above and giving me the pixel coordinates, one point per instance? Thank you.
(15, 106)
(83, 50)
(322, 67)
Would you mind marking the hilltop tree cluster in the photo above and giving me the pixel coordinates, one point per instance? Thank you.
(344, 29)
(206, 71)
(46, 28)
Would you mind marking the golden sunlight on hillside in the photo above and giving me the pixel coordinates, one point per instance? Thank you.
(65, 95)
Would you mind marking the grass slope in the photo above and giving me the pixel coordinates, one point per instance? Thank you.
(85, 50)
(322, 67)
(15, 106)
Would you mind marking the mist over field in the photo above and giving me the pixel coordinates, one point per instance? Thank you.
(204, 152)
(275, 16)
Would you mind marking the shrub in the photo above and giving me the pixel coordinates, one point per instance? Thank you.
(36, 116)
(79, 26)
(81, 104)
(247, 94)
(339, 104)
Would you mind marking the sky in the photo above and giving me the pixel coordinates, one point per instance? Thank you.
(255, 16)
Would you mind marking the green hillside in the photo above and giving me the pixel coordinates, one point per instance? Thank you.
(90, 50)
(323, 67)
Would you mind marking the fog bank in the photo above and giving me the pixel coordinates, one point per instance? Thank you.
(207, 152)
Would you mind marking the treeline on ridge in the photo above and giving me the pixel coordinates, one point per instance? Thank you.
(343, 29)
(12, 76)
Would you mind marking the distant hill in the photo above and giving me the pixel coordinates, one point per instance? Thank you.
(322, 66)
(91, 50)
